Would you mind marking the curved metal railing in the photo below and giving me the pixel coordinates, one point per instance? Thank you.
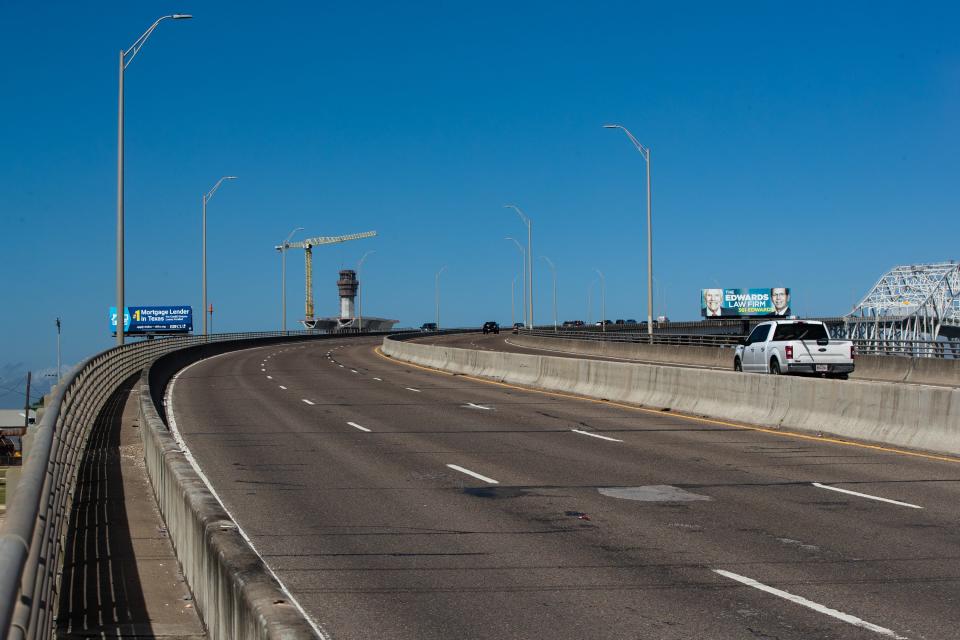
(33, 537)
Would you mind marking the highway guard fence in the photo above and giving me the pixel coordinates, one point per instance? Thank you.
(903, 348)
(32, 542)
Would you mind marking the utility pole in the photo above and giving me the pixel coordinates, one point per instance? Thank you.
(58, 350)
(26, 404)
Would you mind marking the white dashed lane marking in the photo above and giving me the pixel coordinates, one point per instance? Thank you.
(472, 473)
(307, 401)
(819, 608)
(356, 426)
(595, 435)
(866, 495)
(412, 389)
(283, 387)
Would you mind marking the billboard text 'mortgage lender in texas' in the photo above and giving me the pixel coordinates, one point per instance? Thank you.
(170, 319)
(739, 303)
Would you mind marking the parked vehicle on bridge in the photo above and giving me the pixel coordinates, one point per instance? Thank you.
(428, 326)
(491, 327)
(794, 346)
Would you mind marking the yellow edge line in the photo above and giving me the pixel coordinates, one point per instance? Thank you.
(735, 425)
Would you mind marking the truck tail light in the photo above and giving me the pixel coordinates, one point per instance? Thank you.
(789, 352)
(853, 352)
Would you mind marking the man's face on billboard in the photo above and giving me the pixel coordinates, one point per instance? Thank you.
(713, 298)
(779, 297)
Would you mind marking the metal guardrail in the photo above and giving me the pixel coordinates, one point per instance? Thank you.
(903, 348)
(640, 337)
(909, 348)
(32, 543)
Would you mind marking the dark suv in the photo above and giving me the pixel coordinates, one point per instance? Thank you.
(428, 326)
(491, 327)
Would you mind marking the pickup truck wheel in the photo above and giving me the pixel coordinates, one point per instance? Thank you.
(775, 367)
(737, 365)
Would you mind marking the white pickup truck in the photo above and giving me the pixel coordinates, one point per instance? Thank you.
(794, 346)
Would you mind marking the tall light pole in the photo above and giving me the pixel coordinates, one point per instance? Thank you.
(126, 57)
(553, 268)
(603, 299)
(590, 302)
(513, 288)
(529, 293)
(523, 272)
(360, 287)
(58, 350)
(207, 199)
(282, 248)
(645, 152)
(436, 290)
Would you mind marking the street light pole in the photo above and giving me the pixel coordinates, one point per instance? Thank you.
(436, 287)
(513, 288)
(282, 248)
(360, 288)
(553, 268)
(58, 350)
(523, 272)
(206, 199)
(645, 152)
(603, 300)
(124, 63)
(590, 302)
(529, 286)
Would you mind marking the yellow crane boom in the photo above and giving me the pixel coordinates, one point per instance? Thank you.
(307, 246)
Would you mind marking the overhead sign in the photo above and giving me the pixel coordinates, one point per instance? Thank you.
(744, 303)
(154, 320)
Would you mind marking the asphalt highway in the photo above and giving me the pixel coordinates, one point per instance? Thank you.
(403, 503)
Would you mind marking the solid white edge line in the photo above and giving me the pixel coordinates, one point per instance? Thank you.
(172, 423)
(839, 615)
(471, 473)
(595, 435)
(412, 389)
(356, 426)
(866, 495)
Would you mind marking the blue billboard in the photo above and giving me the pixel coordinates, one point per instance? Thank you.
(745, 303)
(154, 320)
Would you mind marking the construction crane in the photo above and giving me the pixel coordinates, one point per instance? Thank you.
(307, 246)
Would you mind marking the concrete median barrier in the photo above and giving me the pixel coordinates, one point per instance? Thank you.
(933, 371)
(911, 416)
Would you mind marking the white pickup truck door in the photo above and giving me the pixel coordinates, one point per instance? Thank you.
(754, 353)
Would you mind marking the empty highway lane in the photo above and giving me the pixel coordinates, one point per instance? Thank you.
(397, 502)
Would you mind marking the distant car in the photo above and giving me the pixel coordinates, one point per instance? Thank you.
(573, 323)
(631, 321)
(517, 326)
(619, 321)
(428, 326)
(491, 327)
(663, 319)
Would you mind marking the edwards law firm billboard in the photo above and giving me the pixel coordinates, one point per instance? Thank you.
(154, 320)
(744, 303)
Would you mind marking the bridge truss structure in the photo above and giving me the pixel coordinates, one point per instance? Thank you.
(918, 302)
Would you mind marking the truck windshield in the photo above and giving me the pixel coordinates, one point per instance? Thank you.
(800, 331)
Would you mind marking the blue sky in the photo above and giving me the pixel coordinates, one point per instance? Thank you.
(811, 146)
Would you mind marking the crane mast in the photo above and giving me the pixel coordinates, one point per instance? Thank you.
(307, 246)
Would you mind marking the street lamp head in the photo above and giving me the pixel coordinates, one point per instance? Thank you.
(181, 16)
(612, 126)
(229, 177)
